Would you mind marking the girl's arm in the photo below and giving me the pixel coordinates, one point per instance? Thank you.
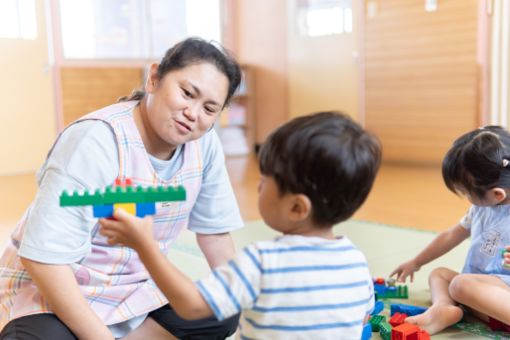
(58, 286)
(181, 291)
(217, 248)
(443, 243)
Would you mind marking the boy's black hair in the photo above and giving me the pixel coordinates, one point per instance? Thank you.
(327, 157)
(478, 161)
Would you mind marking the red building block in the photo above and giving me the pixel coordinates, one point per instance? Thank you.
(397, 319)
(405, 331)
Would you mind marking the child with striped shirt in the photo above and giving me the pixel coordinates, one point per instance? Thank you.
(306, 284)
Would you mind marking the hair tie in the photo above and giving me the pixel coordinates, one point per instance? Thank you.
(505, 162)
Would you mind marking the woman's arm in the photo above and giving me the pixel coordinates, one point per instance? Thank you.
(66, 300)
(179, 289)
(217, 248)
(443, 243)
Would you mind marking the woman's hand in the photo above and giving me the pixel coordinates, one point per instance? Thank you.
(127, 230)
(406, 269)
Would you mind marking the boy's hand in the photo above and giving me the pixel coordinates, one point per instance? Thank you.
(404, 270)
(127, 230)
(506, 257)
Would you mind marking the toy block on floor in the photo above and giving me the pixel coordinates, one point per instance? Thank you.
(376, 321)
(367, 332)
(399, 292)
(378, 308)
(410, 310)
(385, 330)
(397, 319)
(407, 331)
(139, 201)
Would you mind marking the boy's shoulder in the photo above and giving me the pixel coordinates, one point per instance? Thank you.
(287, 243)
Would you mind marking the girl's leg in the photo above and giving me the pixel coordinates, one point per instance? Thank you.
(444, 311)
(485, 294)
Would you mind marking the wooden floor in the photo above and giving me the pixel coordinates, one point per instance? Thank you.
(402, 196)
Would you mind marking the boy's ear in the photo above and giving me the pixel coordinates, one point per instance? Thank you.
(152, 78)
(499, 194)
(301, 207)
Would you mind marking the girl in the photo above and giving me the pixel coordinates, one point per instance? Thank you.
(477, 167)
(60, 279)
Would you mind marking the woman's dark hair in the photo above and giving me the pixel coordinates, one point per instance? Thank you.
(327, 157)
(478, 161)
(193, 51)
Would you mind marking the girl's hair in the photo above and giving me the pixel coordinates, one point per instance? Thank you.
(478, 161)
(326, 156)
(194, 51)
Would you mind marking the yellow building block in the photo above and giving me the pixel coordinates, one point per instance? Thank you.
(128, 207)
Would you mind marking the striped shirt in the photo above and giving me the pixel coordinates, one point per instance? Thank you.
(294, 287)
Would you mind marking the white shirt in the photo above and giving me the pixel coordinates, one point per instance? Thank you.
(294, 287)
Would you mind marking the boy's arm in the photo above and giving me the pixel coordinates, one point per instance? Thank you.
(217, 248)
(66, 300)
(443, 243)
(181, 291)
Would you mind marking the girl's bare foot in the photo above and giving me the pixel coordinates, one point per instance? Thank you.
(437, 318)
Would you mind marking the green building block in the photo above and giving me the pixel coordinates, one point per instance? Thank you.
(400, 293)
(385, 330)
(376, 321)
(129, 194)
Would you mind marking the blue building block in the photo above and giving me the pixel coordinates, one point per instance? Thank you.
(367, 332)
(102, 210)
(378, 307)
(143, 209)
(410, 310)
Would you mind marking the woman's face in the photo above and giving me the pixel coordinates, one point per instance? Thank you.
(183, 105)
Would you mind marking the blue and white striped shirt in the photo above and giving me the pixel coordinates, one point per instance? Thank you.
(294, 287)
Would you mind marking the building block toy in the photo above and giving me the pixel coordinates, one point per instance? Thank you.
(385, 330)
(407, 331)
(410, 310)
(139, 201)
(379, 281)
(399, 292)
(496, 325)
(397, 319)
(378, 307)
(391, 282)
(376, 321)
(367, 332)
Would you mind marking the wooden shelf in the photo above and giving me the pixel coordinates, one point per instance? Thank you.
(241, 112)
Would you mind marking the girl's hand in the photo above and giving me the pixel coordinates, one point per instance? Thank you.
(406, 269)
(506, 257)
(127, 230)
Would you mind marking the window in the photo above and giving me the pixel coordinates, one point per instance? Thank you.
(18, 19)
(134, 29)
(324, 17)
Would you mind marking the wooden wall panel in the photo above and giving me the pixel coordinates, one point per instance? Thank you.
(421, 77)
(85, 89)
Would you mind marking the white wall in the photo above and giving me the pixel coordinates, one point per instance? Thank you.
(27, 113)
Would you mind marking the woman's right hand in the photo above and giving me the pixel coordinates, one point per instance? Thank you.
(406, 269)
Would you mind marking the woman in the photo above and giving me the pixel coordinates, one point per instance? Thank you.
(59, 278)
